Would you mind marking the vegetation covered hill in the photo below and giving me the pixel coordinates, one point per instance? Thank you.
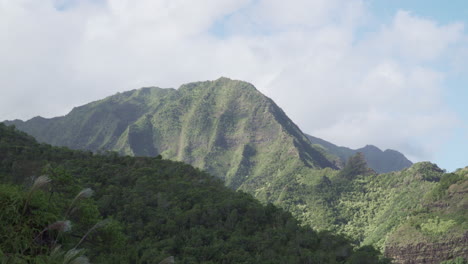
(144, 210)
(234, 132)
(378, 160)
(418, 207)
(225, 127)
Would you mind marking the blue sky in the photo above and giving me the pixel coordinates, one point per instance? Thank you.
(454, 153)
(441, 11)
(354, 72)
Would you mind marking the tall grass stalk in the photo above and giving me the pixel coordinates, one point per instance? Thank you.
(40, 182)
(96, 226)
(85, 193)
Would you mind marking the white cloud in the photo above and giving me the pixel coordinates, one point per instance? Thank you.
(380, 89)
(335, 81)
(417, 39)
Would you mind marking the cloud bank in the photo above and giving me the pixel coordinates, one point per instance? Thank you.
(336, 70)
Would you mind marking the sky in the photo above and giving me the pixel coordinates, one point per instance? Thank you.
(392, 73)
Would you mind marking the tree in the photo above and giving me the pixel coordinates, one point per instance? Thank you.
(355, 166)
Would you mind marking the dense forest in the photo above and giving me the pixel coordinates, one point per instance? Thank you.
(65, 206)
(233, 132)
(421, 204)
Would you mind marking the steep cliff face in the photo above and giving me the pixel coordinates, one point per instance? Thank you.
(429, 253)
(225, 127)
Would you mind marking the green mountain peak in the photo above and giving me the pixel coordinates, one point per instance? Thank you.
(234, 132)
(225, 127)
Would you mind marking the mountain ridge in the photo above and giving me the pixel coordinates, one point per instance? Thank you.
(234, 132)
(381, 161)
(226, 127)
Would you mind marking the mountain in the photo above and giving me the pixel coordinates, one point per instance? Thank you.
(144, 210)
(378, 160)
(162, 208)
(237, 134)
(225, 127)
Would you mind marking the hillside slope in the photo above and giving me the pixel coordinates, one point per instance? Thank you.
(406, 213)
(231, 130)
(154, 209)
(378, 160)
(225, 127)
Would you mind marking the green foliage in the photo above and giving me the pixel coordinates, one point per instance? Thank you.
(159, 208)
(367, 255)
(445, 182)
(437, 226)
(428, 171)
(458, 260)
(225, 127)
(235, 133)
(355, 166)
(382, 209)
(36, 235)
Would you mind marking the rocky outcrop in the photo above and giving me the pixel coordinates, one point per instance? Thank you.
(429, 253)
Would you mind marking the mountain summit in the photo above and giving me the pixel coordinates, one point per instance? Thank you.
(234, 132)
(225, 127)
